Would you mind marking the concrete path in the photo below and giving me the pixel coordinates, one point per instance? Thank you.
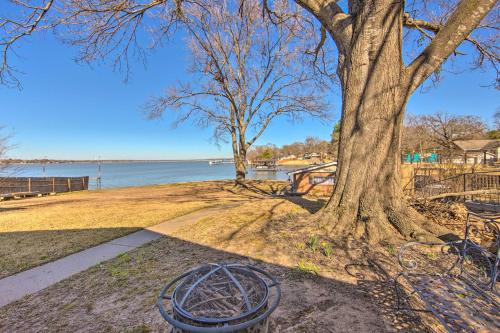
(28, 282)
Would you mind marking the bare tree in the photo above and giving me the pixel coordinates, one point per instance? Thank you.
(442, 128)
(247, 71)
(414, 137)
(372, 38)
(438, 131)
(296, 148)
(312, 144)
(4, 147)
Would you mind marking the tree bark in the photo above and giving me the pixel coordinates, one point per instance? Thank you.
(239, 155)
(367, 201)
(240, 166)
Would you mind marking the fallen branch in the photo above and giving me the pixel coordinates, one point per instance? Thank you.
(459, 194)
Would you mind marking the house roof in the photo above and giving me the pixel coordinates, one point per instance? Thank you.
(477, 145)
(312, 168)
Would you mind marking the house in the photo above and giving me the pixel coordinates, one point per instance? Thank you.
(319, 179)
(477, 151)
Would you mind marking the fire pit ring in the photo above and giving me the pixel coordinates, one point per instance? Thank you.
(220, 298)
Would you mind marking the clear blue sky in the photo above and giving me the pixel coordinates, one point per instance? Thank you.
(74, 111)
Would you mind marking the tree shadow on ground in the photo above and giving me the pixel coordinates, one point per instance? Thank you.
(29, 203)
(312, 205)
(21, 250)
(257, 189)
(119, 295)
(8, 209)
(378, 284)
(268, 215)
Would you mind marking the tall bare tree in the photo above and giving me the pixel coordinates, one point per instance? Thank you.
(442, 128)
(438, 131)
(371, 37)
(4, 147)
(246, 72)
(414, 137)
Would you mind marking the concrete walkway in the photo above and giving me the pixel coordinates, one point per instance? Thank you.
(17, 286)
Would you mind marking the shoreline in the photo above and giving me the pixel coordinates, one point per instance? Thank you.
(15, 161)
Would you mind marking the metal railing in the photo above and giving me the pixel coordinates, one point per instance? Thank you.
(475, 186)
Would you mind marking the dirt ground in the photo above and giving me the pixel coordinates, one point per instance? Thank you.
(326, 287)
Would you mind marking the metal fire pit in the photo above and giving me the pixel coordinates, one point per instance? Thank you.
(220, 298)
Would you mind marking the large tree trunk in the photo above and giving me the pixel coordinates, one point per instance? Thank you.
(240, 156)
(367, 201)
(240, 166)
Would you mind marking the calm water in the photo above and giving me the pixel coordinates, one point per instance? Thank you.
(143, 173)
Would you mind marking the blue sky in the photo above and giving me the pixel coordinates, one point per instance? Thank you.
(73, 111)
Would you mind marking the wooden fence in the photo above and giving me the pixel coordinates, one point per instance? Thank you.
(42, 185)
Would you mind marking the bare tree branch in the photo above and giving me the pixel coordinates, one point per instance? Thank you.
(424, 27)
(333, 18)
(467, 16)
(13, 30)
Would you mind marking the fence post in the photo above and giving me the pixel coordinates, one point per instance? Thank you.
(53, 185)
(29, 184)
(69, 185)
(83, 183)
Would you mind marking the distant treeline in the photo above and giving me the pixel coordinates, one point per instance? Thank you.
(49, 161)
(312, 146)
(40, 161)
(429, 132)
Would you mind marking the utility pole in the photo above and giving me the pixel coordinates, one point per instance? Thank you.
(44, 162)
(99, 179)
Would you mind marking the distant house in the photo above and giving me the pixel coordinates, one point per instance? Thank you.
(477, 151)
(317, 178)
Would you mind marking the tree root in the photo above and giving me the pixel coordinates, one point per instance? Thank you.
(379, 224)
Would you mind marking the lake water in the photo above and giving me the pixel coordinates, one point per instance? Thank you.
(142, 173)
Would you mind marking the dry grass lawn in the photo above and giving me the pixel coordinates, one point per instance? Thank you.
(38, 230)
(327, 287)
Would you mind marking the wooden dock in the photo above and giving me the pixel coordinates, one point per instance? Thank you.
(267, 165)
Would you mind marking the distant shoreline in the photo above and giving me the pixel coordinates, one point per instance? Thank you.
(16, 161)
